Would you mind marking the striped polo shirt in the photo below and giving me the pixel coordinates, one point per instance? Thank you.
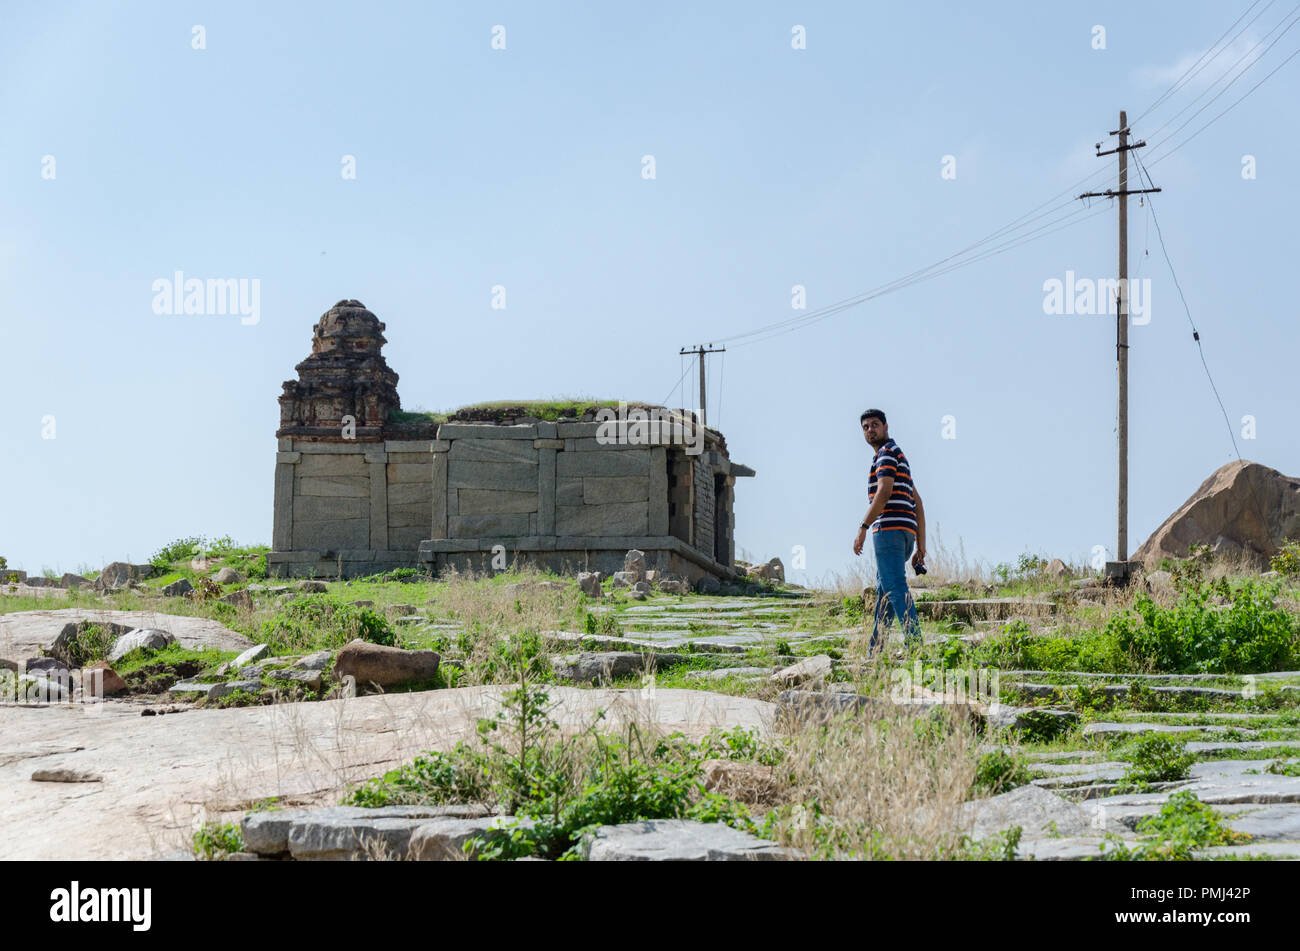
(900, 510)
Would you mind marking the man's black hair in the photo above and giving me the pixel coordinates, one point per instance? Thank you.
(878, 414)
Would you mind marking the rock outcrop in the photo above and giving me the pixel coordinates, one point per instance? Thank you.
(1243, 509)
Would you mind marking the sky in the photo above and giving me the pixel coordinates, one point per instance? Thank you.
(638, 179)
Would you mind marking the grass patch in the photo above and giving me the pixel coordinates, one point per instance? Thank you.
(214, 842)
(323, 622)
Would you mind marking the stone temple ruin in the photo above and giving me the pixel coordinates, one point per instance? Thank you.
(361, 487)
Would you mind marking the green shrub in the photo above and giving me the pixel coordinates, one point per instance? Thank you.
(92, 643)
(434, 778)
(1000, 771)
(1285, 562)
(1158, 758)
(321, 621)
(1194, 636)
(1183, 825)
(212, 842)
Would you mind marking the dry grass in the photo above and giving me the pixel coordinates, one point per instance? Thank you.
(885, 786)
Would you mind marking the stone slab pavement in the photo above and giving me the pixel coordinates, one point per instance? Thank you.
(162, 775)
(24, 633)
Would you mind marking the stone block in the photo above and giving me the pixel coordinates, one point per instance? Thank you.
(658, 491)
(453, 502)
(410, 514)
(677, 840)
(487, 526)
(282, 528)
(290, 458)
(568, 491)
(496, 502)
(408, 445)
(576, 430)
(440, 445)
(331, 465)
(336, 487)
(520, 477)
(548, 443)
(485, 431)
(493, 450)
(407, 472)
(378, 465)
(407, 538)
(604, 464)
(615, 518)
(438, 489)
(330, 534)
(443, 840)
(404, 493)
(597, 490)
(546, 491)
(547, 430)
(410, 459)
(314, 508)
(348, 447)
(284, 444)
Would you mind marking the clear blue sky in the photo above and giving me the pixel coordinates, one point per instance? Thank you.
(522, 167)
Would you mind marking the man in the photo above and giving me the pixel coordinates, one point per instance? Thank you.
(896, 520)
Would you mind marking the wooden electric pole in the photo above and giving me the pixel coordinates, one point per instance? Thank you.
(1118, 569)
(700, 351)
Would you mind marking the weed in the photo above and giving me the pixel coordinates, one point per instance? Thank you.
(1285, 562)
(1157, 758)
(213, 843)
(1000, 771)
(1183, 825)
(321, 621)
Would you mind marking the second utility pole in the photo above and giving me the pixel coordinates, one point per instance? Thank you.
(1118, 569)
(700, 351)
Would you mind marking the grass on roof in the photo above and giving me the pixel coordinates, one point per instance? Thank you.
(550, 410)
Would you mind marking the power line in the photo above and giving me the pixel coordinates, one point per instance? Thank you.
(953, 261)
(1165, 155)
(1196, 334)
(1188, 74)
(805, 320)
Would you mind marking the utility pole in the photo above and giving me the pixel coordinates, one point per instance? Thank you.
(700, 351)
(1118, 570)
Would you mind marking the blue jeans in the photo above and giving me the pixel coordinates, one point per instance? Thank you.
(893, 600)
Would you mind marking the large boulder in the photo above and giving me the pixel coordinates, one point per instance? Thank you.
(120, 574)
(384, 666)
(70, 580)
(634, 565)
(63, 646)
(592, 666)
(101, 679)
(178, 589)
(589, 583)
(1243, 509)
(228, 575)
(148, 638)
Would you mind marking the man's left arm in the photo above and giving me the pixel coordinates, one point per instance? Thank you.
(920, 526)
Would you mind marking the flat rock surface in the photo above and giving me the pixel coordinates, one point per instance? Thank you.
(25, 633)
(677, 840)
(163, 775)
